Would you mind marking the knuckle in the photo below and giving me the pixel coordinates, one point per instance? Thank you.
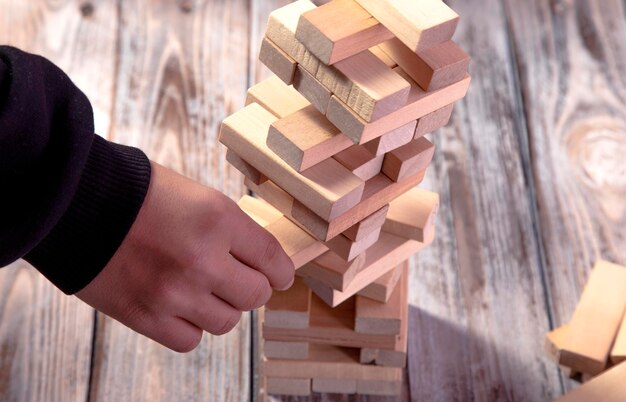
(188, 344)
(228, 323)
(270, 251)
(259, 295)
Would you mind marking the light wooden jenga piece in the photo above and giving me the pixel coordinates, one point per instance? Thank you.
(618, 352)
(373, 317)
(260, 211)
(431, 68)
(419, 104)
(348, 249)
(332, 270)
(305, 138)
(382, 288)
(327, 188)
(596, 320)
(281, 100)
(334, 385)
(286, 350)
(245, 168)
(339, 29)
(412, 214)
(288, 386)
(360, 161)
(361, 229)
(279, 62)
(289, 308)
(433, 121)
(418, 25)
(409, 159)
(392, 140)
(313, 90)
(384, 57)
(608, 387)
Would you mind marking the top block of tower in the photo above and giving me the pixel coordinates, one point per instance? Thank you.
(419, 24)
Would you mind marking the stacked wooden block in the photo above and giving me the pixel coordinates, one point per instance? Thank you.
(591, 348)
(334, 145)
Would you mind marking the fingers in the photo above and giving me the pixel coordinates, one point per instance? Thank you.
(241, 286)
(175, 333)
(257, 248)
(212, 314)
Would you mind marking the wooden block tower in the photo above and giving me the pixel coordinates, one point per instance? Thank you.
(334, 146)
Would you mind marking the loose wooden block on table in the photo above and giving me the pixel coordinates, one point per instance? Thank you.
(348, 249)
(431, 68)
(433, 121)
(361, 229)
(392, 140)
(249, 171)
(382, 288)
(419, 104)
(289, 308)
(305, 138)
(339, 29)
(286, 350)
(279, 62)
(327, 188)
(288, 386)
(607, 387)
(618, 352)
(332, 270)
(313, 90)
(418, 25)
(409, 159)
(596, 320)
(360, 161)
(412, 214)
(277, 97)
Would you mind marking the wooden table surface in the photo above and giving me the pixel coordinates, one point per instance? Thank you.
(531, 172)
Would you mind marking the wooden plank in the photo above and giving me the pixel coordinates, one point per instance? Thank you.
(393, 139)
(331, 37)
(596, 320)
(380, 53)
(556, 341)
(433, 121)
(348, 249)
(288, 386)
(305, 138)
(382, 288)
(409, 159)
(279, 62)
(289, 308)
(417, 25)
(412, 214)
(618, 352)
(608, 387)
(286, 350)
(313, 90)
(250, 172)
(277, 97)
(260, 211)
(363, 163)
(419, 104)
(334, 385)
(327, 188)
(431, 68)
(361, 229)
(333, 270)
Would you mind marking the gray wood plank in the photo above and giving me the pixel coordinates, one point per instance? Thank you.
(478, 309)
(182, 68)
(571, 58)
(45, 336)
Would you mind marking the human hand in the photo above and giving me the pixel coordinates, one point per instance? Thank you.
(192, 261)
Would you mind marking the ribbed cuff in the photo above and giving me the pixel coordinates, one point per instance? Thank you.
(111, 191)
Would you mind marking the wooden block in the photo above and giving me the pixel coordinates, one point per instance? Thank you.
(382, 288)
(419, 104)
(555, 342)
(361, 229)
(289, 308)
(260, 211)
(312, 89)
(392, 140)
(327, 188)
(339, 29)
(277, 97)
(377, 90)
(618, 352)
(409, 159)
(249, 171)
(360, 161)
(384, 57)
(279, 62)
(412, 214)
(373, 317)
(433, 121)
(332, 270)
(348, 249)
(432, 68)
(274, 195)
(384, 256)
(596, 319)
(418, 25)
(330, 326)
(608, 387)
(288, 386)
(334, 385)
(305, 138)
(286, 350)
(377, 387)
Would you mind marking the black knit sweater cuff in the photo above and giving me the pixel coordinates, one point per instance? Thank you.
(111, 191)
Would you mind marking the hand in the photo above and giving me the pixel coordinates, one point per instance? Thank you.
(192, 261)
